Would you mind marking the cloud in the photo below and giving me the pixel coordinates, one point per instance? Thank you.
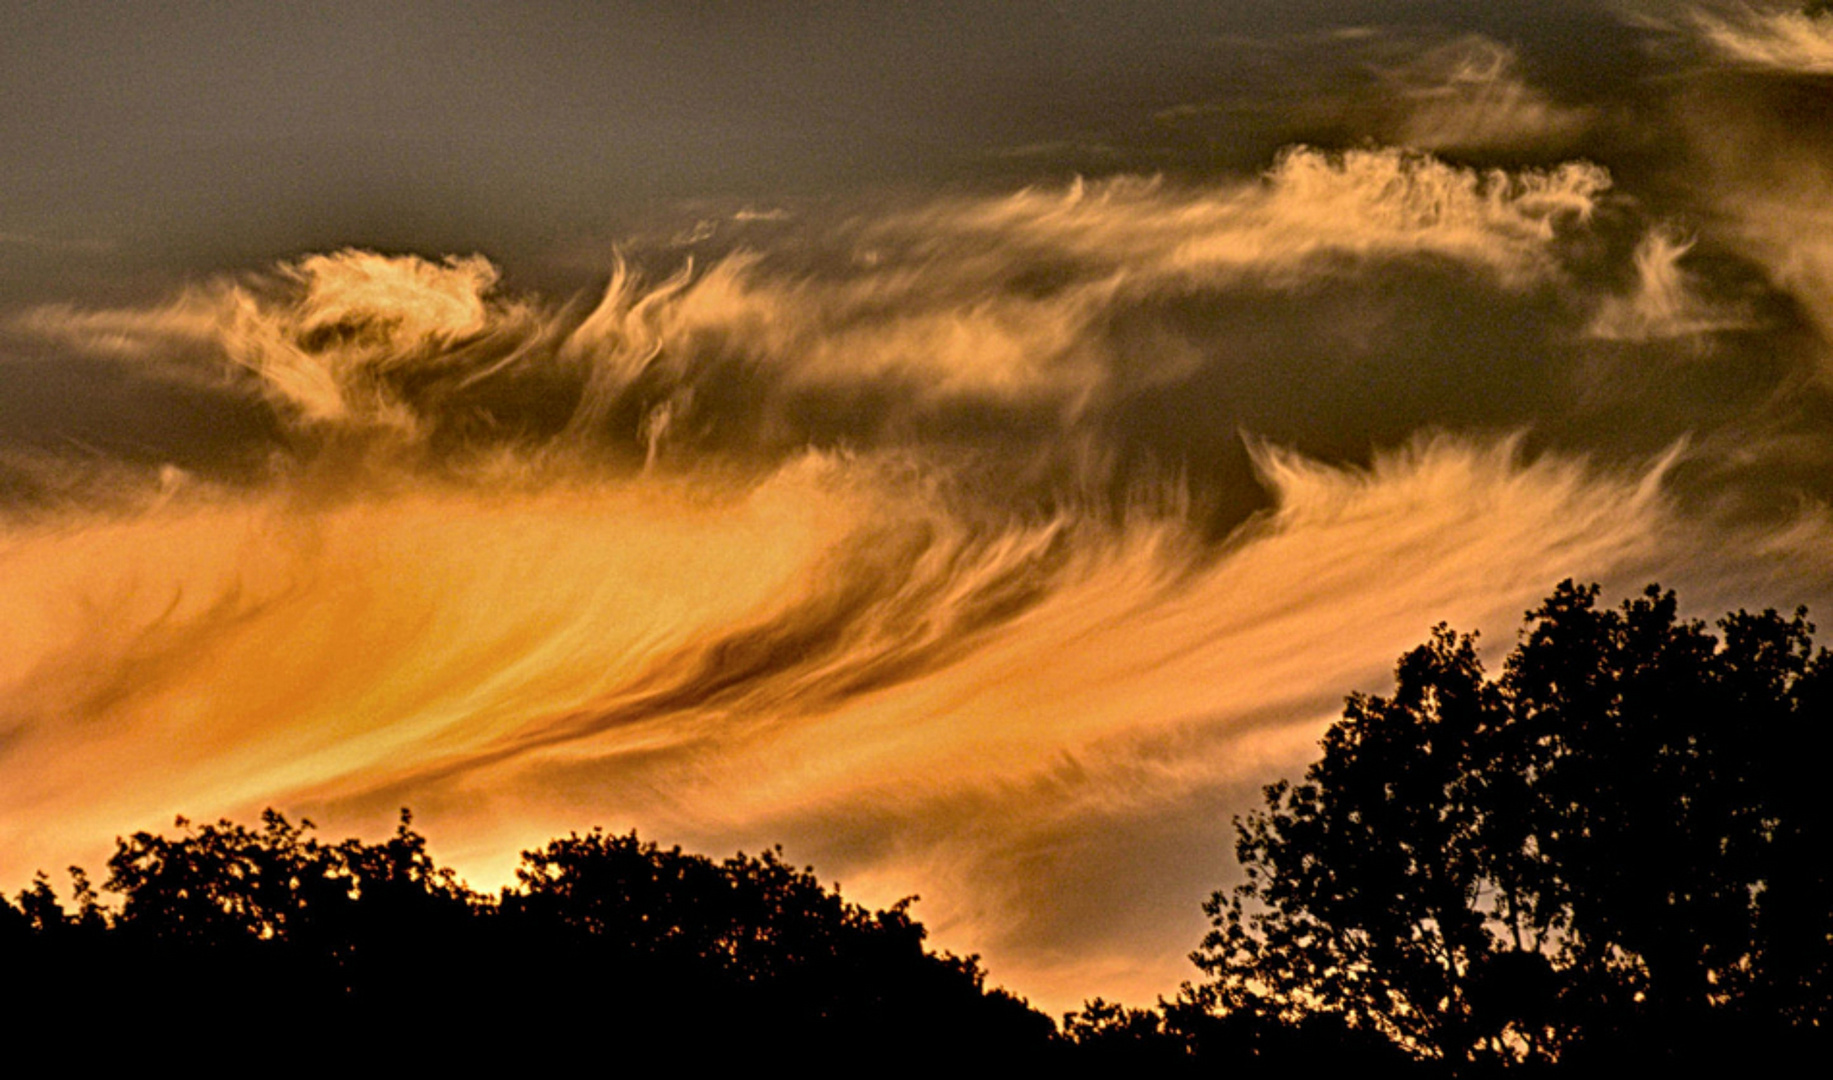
(828, 648)
(1779, 212)
(1315, 213)
(1665, 303)
(1010, 302)
(129, 333)
(1772, 36)
(213, 646)
(1799, 247)
(1412, 87)
(922, 329)
(943, 300)
(750, 627)
(1468, 95)
(328, 338)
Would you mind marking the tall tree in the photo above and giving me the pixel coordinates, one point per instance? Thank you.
(1608, 850)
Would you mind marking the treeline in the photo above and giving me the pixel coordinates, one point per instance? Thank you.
(246, 942)
(251, 937)
(1613, 855)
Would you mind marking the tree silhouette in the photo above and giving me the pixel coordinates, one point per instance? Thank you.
(759, 944)
(1111, 1039)
(228, 937)
(1610, 851)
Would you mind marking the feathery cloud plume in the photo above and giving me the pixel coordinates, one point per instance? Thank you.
(1468, 94)
(1665, 303)
(834, 645)
(1775, 36)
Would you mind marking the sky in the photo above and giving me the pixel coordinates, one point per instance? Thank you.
(974, 446)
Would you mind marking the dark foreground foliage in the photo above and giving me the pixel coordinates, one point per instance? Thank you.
(250, 940)
(1614, 854)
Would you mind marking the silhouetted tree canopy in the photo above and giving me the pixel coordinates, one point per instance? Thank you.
(1614, 850)
(248, 930)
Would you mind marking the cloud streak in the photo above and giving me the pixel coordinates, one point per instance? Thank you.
(1009, 301)
(1665, 303)
(828, 645)
(1469, 95)
(1787, 38)
(1314, 213)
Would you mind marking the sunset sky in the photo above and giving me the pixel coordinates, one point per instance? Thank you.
(974, 445)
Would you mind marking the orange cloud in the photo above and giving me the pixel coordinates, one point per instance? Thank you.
(1468, 95)
(827, 648)
(1771, 35)
(940, 305)
(1665, 303)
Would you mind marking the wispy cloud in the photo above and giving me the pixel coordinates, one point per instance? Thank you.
(1313, 214)
(1469, 94)
(1795, 237)
(1781, 37)
(1777, 204)
(939, 304)
(1665, 303)
(829, 648)
(326, 338)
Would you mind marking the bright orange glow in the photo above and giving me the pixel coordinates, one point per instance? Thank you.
(821, 656)
(529, 568)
